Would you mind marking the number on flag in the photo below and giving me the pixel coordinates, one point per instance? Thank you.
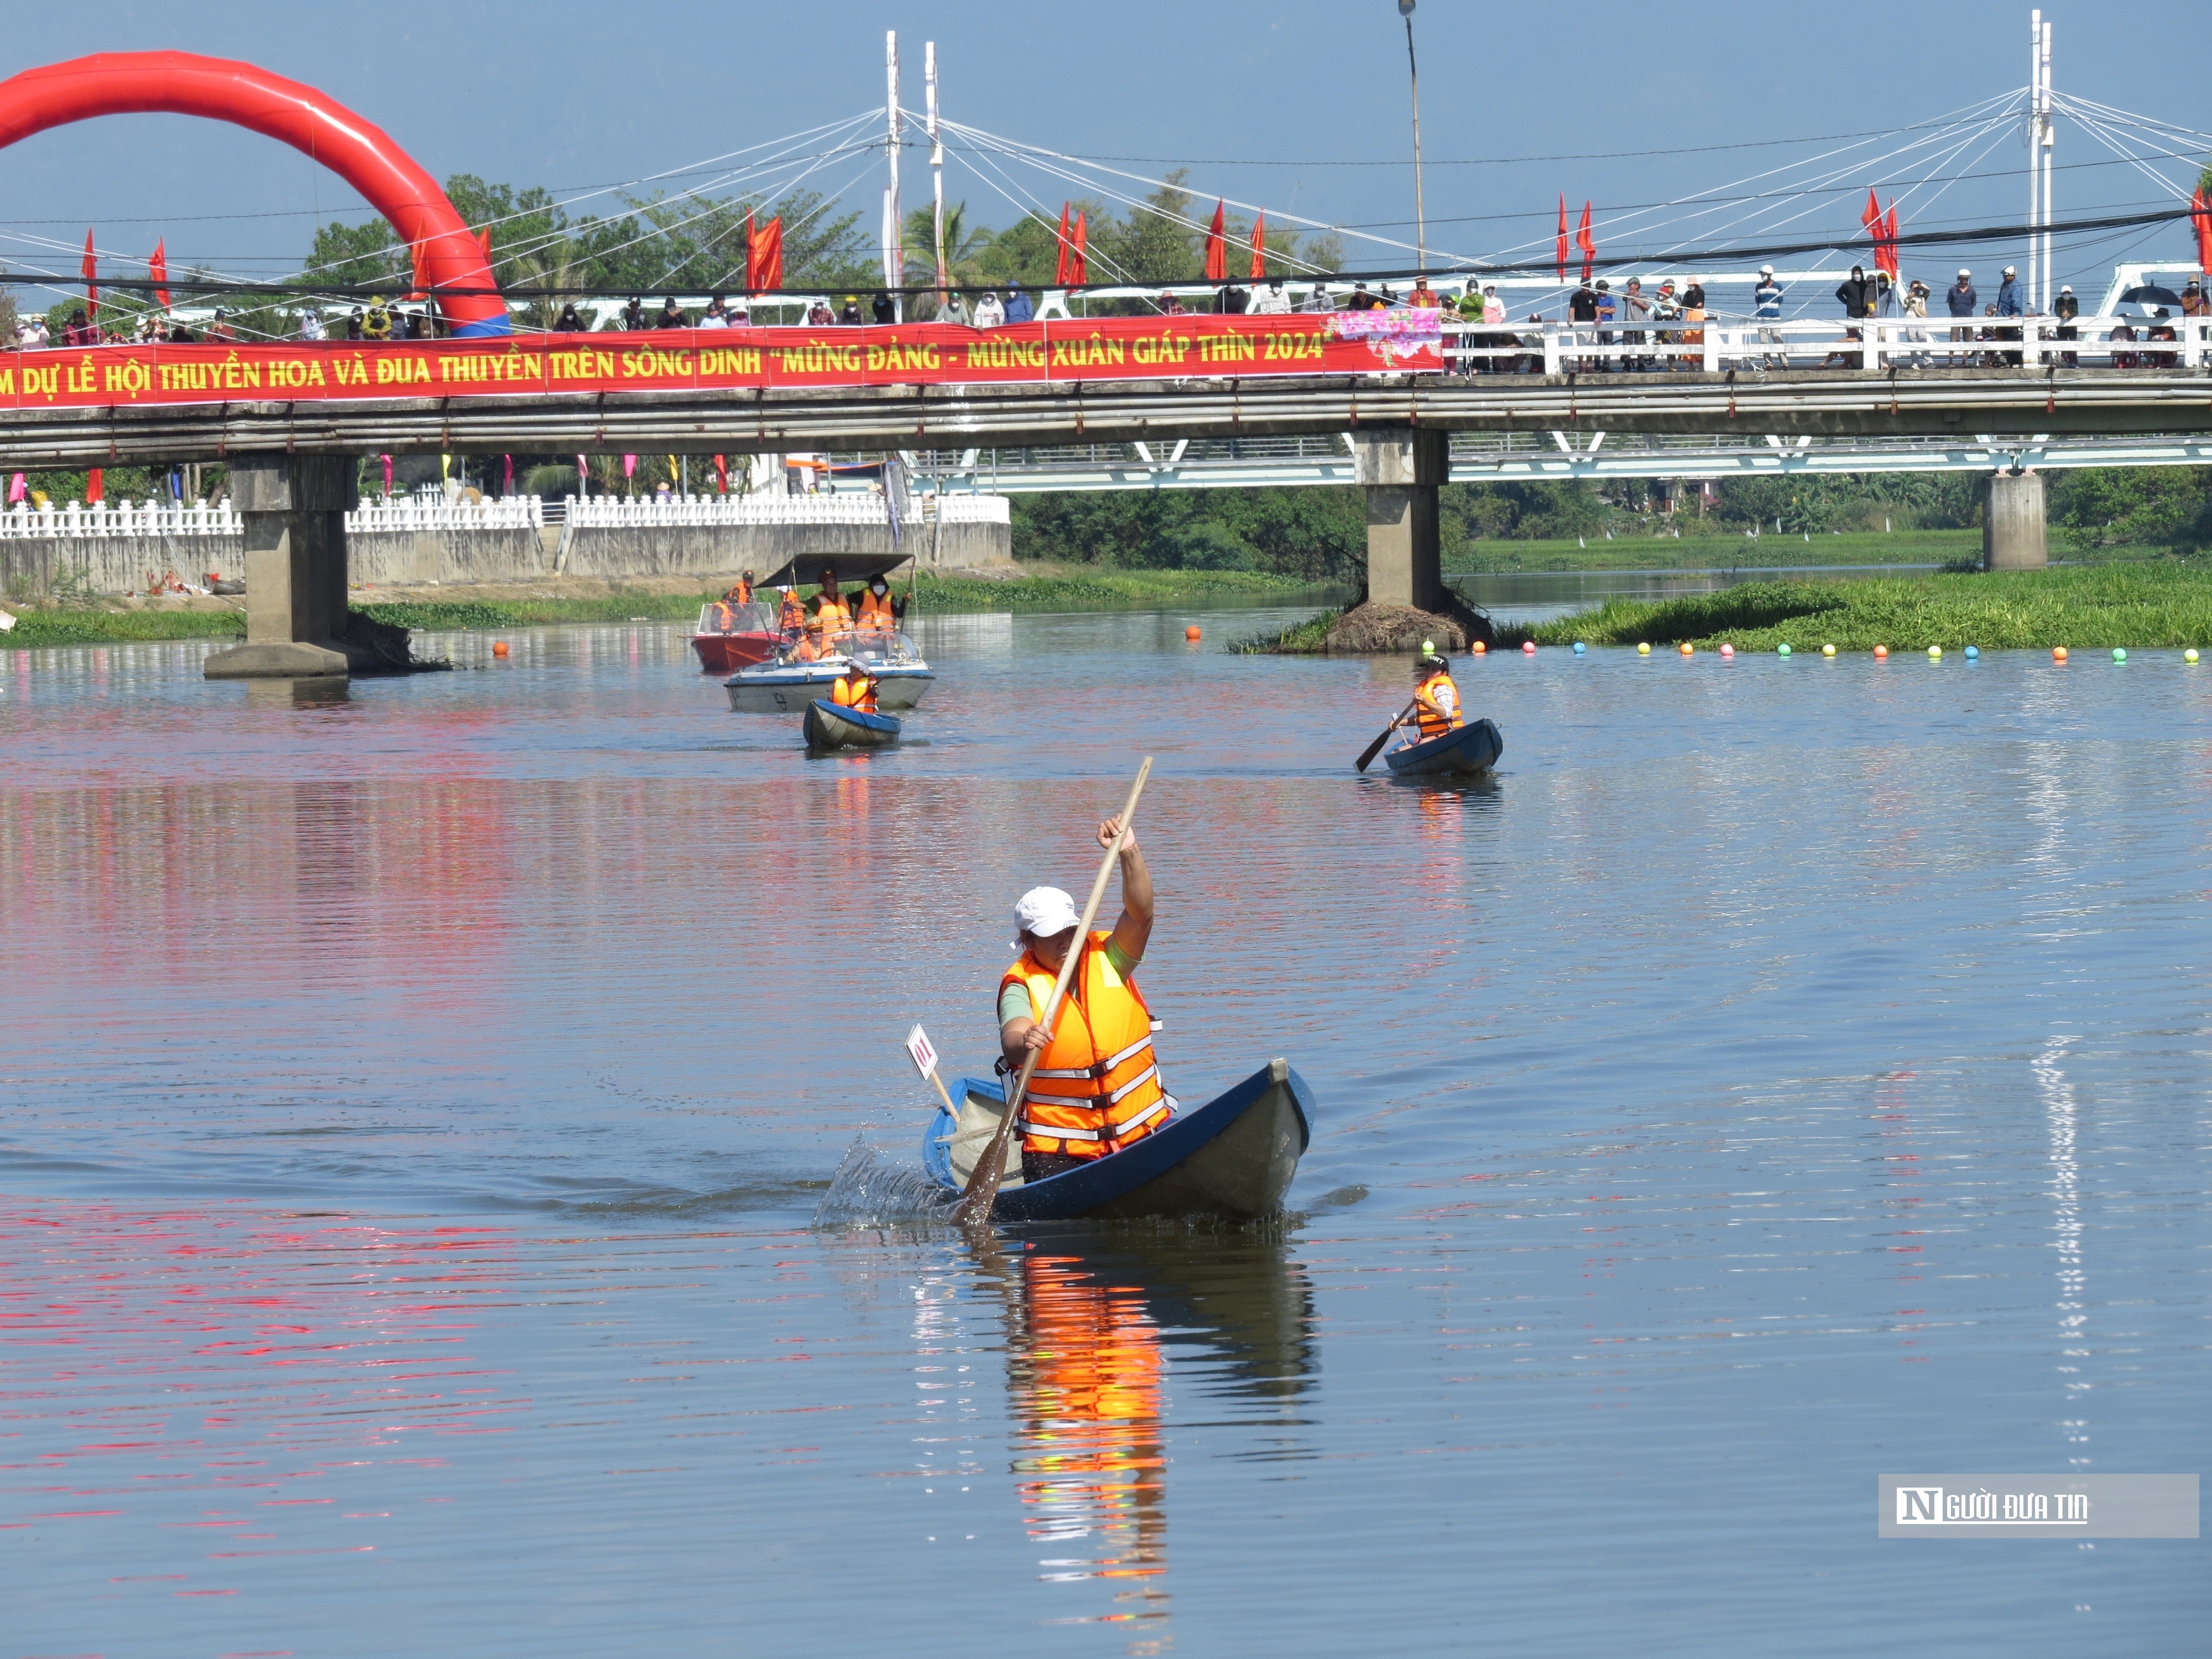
(925, 1057)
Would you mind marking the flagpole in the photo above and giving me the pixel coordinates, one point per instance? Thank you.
(1421, 212)
(936, 161)
(894, 250)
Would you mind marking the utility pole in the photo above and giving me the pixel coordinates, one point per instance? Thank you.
(1420, 213)
(894, 250)
(936, 162)
(2040, 137)
(2049, 138)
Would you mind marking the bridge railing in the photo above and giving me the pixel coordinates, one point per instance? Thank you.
(401, 514)
(1874, 344)
(776, 507)
(153, 518)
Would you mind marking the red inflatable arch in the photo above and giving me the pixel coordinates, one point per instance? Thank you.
(179, 83)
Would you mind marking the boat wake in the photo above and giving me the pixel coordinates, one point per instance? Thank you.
(871, 1190)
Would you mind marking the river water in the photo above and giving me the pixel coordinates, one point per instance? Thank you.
(418, 1106)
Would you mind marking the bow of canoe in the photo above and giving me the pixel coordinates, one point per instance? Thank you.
(827, 726)
(1471, 750)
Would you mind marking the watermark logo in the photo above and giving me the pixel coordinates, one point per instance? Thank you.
(2016, 1505)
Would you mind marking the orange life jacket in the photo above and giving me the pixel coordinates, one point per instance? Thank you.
(808, 649)
(876, 611)
(1096, 1088)
(724, 617)
(833, 616)
(1435, 706)
(856, 689)
(793, 614)
(741, 594)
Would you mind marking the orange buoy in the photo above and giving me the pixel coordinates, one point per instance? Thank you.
(1689, 650)
(1881, 653)
(1480, 648)
(1192, 632)
(2058, 653)
(499, 647)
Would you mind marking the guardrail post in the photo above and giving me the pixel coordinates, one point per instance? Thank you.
(1401, 469)
(1551, 350)
(291, 510)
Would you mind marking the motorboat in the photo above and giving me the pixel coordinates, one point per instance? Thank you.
(731, 636)
(799, 673)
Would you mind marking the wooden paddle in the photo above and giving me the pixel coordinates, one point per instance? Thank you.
(974, 1209)
(1375, 747)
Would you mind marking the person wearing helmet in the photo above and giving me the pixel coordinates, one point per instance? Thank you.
(2009, 305)
(1766, 306)
(1437, 708)
(1097, 1087)
(1960, 299)
(2066, 308)
(850, 316)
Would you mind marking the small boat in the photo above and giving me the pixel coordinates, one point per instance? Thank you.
(1471, 750)
(731, 636)
(785, 685)
(1232, 1157)
(828, 726)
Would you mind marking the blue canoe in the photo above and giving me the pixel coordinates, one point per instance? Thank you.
(1232, 1157)
(1472, 749)
(828, 725)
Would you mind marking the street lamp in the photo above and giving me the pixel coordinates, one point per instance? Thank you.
(1420, 213)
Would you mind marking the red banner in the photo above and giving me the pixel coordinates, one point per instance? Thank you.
(927, 354)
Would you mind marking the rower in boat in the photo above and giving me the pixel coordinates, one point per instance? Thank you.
(854, 689)
(1096, 1088)
(1436, 700)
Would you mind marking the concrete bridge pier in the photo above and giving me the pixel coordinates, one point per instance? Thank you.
(1401, 468)
(2014, 535)
(293, 510)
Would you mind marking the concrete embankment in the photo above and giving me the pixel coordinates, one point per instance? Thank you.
(397, 550)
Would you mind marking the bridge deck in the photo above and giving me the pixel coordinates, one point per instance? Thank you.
(1900, 403)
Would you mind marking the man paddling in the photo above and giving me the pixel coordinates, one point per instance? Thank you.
(1435, 699)
(1096, 1088)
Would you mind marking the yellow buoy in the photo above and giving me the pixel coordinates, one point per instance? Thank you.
(1645, 651)
(2189, 655)
(1934, 654)
(1827, 650)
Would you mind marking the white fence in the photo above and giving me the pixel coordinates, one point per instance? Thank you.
(119, 518)
(1874, 344)
(418, 516)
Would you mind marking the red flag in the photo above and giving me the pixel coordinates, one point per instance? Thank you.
(1588, 247)
(768, 272)
(1885, 257)
(158, 269)
(1217, 248)
(2202, 213)
(416, 292)
(1260, 248)
(95, 485)
(484, 242)
(1563, 238)
(721, 475)
(1063, 256)
(91, 280)
(1078, 271)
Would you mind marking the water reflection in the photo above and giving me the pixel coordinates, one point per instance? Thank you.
(1098, 1326)
(321, 692)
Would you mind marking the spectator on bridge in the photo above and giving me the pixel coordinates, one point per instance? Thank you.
(1361, 299)
(990, 310)
(819, 315)
(78, 332)
(1424, 298)
(1766, 306)
(884, 308)
(1235, 301)
(1020, 308)
(2123, 359)
(1885, 296)
(569, 321)
(2193, 301)
(670, 316)
(1851, 293)
(1170, 306)
(1915, 305)
(418, 324)
(1693, 311)
(1271, 300)
(717, 313)
(633, 316)
(353, 324)
(2009, 305)
(2066, 308)
(1666, 308)
(1608, 308)
(1634, 308)
(220, 328)
(848, 315)
(1960, 299)
(1582, 312)
(311, 324)
(376, 321)
(2160, 329)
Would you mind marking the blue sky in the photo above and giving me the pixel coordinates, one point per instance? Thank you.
(575, 96)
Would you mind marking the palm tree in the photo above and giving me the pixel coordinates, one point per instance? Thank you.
(964, 250)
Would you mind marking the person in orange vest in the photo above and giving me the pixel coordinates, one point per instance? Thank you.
(830, 609)
(875, 615)
(1096, 1088)
(792, 619)
(742, 593)
(1435, 699)
(809, 647)
(854, 689)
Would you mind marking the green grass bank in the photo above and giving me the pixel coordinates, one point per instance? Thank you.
(1714, 551)
(2128, 604)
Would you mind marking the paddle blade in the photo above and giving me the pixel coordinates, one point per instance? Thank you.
(974, 1209)
(1375, 747)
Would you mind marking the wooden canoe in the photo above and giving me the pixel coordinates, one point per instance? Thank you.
(1232, 1157)
(1474, 749)
(828, 726)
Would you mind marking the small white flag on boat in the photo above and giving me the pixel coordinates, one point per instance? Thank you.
(925, 1055)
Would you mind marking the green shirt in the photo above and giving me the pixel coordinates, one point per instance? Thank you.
(1014, 1001)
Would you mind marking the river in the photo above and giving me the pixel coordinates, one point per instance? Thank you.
(418, 1105)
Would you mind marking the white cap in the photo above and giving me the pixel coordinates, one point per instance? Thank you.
(1045, 911)
(1963, 271)
(2064, 287)
(2009, 271)
(1766, 271)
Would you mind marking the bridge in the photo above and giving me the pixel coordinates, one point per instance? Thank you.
(1412, 397)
